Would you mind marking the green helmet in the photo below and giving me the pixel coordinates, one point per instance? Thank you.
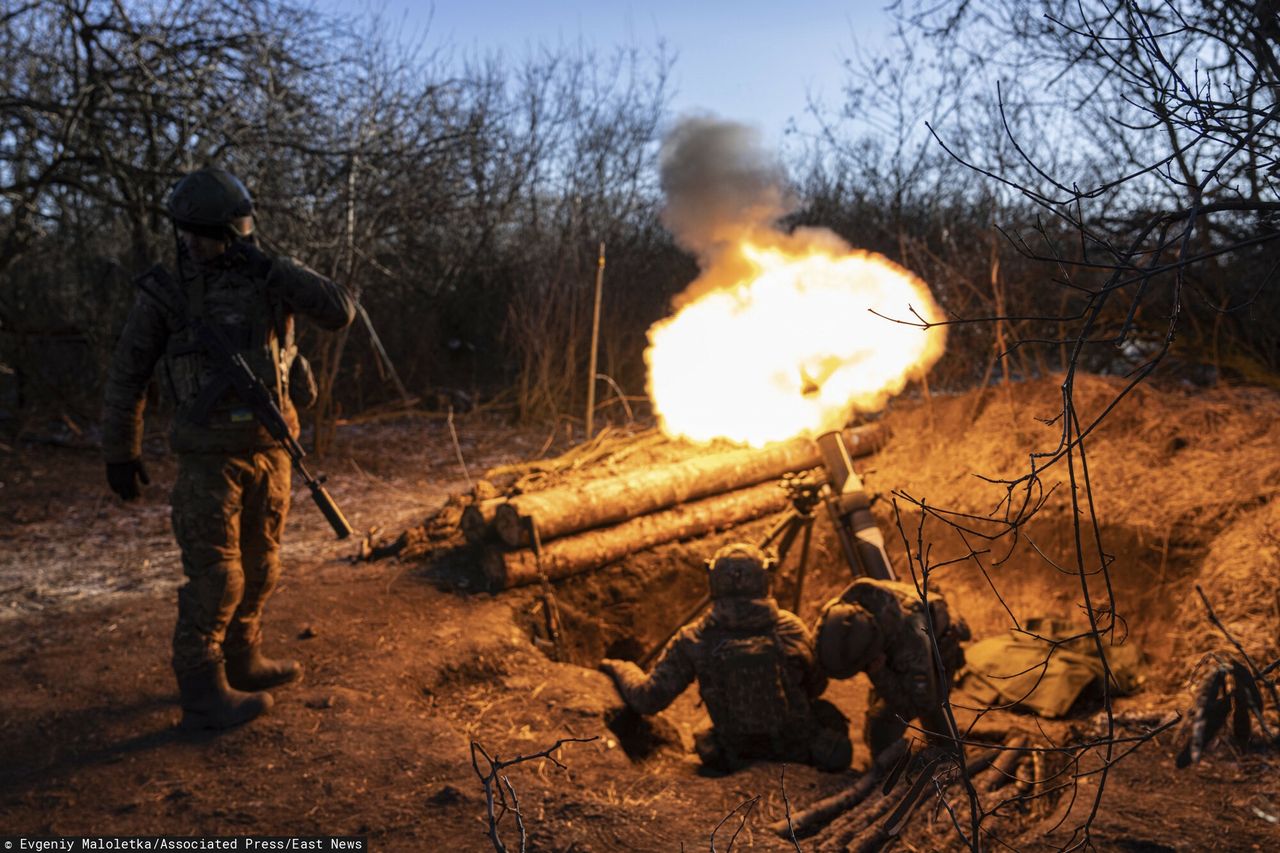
(846, 642)
(739, 570)
(208, 201)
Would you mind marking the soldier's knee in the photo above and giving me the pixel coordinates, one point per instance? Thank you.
(213, 590)
(713, 752)
(262, 526)
(831, 748)
(206, 535)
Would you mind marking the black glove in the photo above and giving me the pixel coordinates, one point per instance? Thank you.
(124, 478)
(257, 262)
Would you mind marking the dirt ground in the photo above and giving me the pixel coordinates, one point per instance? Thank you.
(409, 661)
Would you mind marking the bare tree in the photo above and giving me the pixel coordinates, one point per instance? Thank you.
(1128, 158)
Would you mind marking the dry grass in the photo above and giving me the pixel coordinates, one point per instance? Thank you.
(1180, 471)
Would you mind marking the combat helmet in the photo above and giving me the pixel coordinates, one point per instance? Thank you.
(740, 570)
(209, 202)
(846, 641)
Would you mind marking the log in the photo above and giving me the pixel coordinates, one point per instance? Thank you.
(1006, 764)
(477, 520)
(863, 831)
(808, 821)
(571, 509)
(573, 555)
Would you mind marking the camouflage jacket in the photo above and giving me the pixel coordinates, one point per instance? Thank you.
(254, 309)
(754, 664)
(900, 661)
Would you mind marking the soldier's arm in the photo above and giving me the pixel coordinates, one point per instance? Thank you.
(140, 346)
(649, 694)
(797, 642)
(306, 292)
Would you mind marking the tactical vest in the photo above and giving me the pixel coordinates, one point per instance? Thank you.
(210, 415)
(746, 688)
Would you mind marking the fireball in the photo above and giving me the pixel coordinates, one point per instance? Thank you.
(797, 345)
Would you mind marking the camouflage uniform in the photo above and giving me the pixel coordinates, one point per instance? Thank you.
(232, 492)
(879, 627)
(756, 673)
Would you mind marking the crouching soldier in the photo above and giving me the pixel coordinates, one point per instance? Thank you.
(756, 672)
(879, 627)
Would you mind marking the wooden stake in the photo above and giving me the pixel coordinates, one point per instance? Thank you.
(595, 344)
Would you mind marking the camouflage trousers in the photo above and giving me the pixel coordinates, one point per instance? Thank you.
(228, 516)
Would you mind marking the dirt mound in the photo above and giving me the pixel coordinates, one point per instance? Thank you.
(1180, 482)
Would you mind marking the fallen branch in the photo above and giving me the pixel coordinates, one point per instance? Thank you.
(862, 829)
(810, 820)
(500, 795)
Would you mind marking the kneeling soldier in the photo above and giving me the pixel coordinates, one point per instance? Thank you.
(756, 672)
(879, 627)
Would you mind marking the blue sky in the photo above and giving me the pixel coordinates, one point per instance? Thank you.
(753, 61)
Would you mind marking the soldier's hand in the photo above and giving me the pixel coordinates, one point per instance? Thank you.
(257, 262)
(127, 478)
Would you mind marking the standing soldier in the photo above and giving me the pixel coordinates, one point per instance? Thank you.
(756, 672)
(232, 491)
(879, 627)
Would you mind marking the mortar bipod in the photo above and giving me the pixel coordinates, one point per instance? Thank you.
(804, 494)
(850, 509)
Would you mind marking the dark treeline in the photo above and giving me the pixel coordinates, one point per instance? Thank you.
(463, 198)
(1083, 184)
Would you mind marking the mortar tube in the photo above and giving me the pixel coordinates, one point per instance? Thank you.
(850, 509)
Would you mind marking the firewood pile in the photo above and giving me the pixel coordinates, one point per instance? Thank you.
(584, 523)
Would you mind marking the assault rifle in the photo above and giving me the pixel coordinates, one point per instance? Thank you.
(235, 373)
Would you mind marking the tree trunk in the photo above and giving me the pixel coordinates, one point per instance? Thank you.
(571, 509)
(596, 548)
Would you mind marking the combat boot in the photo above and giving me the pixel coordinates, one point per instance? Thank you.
(208, 702)
(248, 669)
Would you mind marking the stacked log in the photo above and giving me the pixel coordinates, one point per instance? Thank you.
(561, 511)
(574, 554)
(590, 525)
(477, 520)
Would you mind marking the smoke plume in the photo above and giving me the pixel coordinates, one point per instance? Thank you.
(721, 186)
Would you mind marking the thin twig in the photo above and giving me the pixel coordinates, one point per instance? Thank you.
(457, 449)
(786, 804)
